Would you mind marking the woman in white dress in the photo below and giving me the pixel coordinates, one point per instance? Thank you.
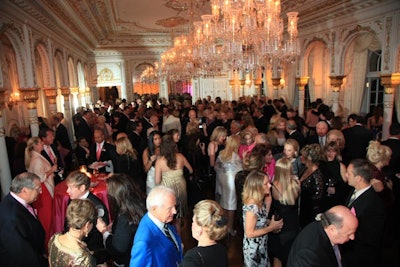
(150, 155)
(227, 165)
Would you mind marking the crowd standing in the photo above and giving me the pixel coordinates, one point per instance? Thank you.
(284, 177)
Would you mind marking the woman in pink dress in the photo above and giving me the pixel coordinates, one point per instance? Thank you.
(39, 165)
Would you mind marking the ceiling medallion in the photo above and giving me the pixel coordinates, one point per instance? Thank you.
(172, 22)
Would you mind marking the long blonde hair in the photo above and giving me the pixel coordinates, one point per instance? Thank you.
(124, 147)
(253, 188)
(29, 148)
(290, 187)
(232, 146)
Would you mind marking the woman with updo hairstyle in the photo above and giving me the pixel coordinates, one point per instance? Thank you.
(337, 136)
(379, 155)
(312, 183)
(208, 226)
(68, 249)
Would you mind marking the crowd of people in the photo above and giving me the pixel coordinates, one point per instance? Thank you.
(250, 165)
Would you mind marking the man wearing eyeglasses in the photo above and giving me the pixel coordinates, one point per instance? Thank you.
(21, 233)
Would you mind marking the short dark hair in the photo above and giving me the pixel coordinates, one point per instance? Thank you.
(363, 168)
(43, 132)
(329, 218)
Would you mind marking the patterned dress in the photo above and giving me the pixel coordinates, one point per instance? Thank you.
(174, 179)
(255, 249)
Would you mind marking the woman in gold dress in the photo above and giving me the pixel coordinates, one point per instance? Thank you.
(169, 172)
(68, 250)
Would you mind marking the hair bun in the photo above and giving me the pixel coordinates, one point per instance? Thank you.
(221, 222)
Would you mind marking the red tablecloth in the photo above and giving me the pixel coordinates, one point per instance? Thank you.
(61, 199)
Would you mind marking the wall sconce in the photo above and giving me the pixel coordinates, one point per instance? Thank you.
(13, 100)
(282, 83)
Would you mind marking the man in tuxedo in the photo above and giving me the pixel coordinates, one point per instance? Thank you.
(156, 241)
(101, 151)
(134, 130)
(357, 139)
(21, 233)
(365, 250)
(321, 129)
(260, 122)
(294, 133)
(317, 244)
(51, 153)
(85, 125)
(78, 185)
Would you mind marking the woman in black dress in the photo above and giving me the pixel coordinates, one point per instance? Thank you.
(209, 226)
(285, 194)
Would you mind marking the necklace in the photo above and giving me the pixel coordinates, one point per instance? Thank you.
(74, 237)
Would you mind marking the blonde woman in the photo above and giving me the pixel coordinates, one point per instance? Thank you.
(208, 227)
(285, 195)
(226, 167)
(336, 136)
(247, 143)
(68, 249)
(256, 205)
(277, 133)
(39, 165)
(217, 143)
(379, 155)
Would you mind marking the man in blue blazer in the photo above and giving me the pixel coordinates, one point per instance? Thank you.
(156, 242)
(21, 234)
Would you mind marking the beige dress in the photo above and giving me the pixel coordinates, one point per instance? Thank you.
(174, 179)
(60, 256)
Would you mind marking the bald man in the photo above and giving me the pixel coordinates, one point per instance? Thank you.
(317, 244)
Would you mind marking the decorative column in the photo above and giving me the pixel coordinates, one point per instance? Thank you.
(75, 101)
(5, 177)
(51, 95)
(30, 96)
(389, 81)
(257, 85)
(276, 82)
(301, 83)
(242, 83)
(65, 92)
(336, 83)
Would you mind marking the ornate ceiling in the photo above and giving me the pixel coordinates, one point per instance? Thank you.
(100, 25)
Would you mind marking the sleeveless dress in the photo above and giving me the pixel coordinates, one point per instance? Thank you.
(226, 172)
(255, 249)
(279, 244)
(150, 180)
(174, 179)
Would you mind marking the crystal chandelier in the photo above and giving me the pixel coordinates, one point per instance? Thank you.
(237, 35)
(149, 76)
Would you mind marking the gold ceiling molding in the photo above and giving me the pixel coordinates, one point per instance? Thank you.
(172, 22)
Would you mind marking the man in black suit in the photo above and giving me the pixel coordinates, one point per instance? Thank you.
(101, 151)
(357, 139)
(294, 133)
(134, 130)
(317, 244)
(365, 250)
(85, 126)
(51, 153)
(260, 122)
(78, 188)
(321, 129)
(21, 233)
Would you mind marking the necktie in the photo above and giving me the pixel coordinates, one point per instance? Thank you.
(31, 210)
(98, 152)
(50, 153)
(352, 198)
(168, 234)
(321, 141)
(337, 254)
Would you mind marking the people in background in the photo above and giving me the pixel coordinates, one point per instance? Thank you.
(208, 227)
(150, 155)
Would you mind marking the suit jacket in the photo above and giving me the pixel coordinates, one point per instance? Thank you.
(357, 140)
(365, 249)
(56, 152)
(137, 142)
(299, 137)
(84, 130)
(62, 136)
(312, 247)
(152, 248)
(261, 124)
(394, 166)
(21, 236)
(108, 152)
